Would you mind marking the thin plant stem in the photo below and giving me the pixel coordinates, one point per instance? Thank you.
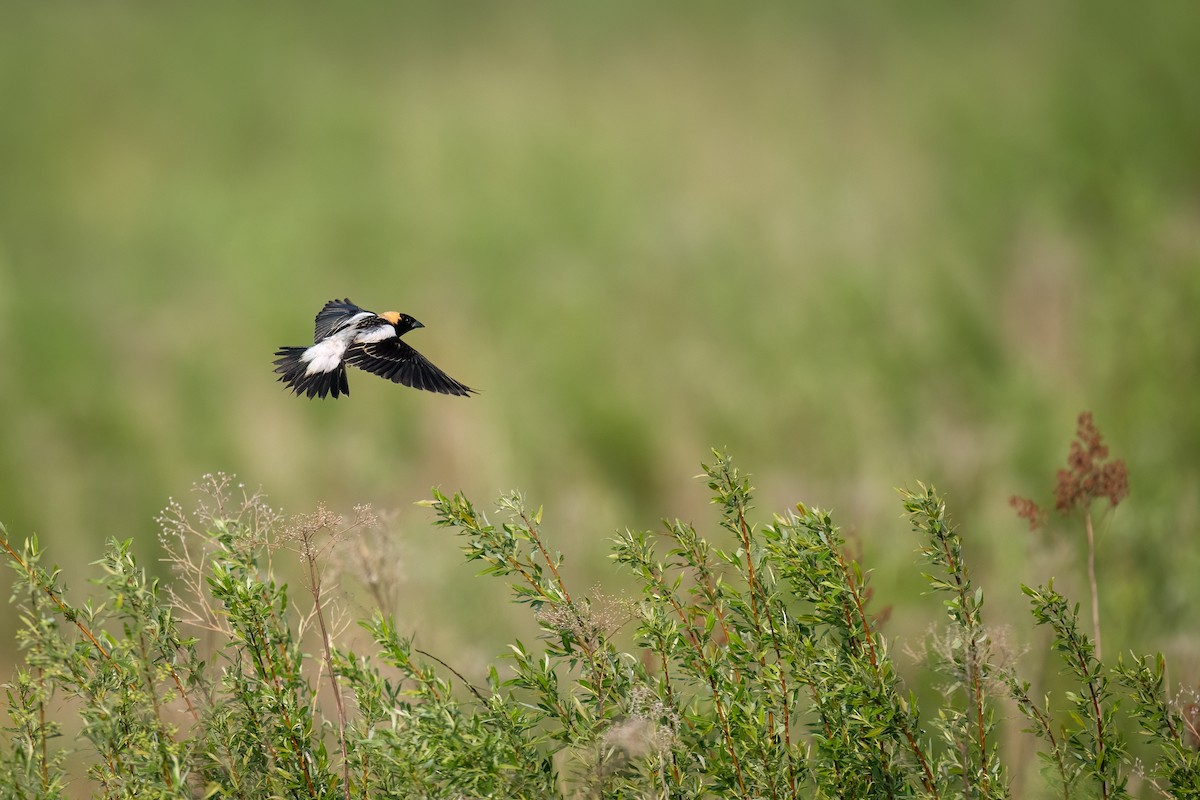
(478, 695)
(1087, 518)
(327, 649)
(755, 589)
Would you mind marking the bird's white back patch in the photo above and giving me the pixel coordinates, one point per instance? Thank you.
(324, 356)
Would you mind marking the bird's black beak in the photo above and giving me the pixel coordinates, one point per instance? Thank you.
(417, 324)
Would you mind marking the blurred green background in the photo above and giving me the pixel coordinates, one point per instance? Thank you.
(859, 245)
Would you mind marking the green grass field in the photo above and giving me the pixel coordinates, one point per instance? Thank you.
(857, 248)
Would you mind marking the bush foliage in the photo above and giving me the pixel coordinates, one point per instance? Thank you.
(751, 665)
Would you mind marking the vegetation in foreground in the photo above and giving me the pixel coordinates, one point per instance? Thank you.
(752, 665)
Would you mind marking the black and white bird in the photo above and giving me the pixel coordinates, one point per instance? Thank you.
(347, 334)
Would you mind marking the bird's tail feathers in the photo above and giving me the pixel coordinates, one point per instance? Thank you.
(294, 372)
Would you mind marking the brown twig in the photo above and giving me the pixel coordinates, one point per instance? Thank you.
(927, 776)
(67, 612)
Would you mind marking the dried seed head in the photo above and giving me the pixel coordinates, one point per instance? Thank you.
(1088, 476)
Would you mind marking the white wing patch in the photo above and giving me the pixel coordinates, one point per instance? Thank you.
(353, 321)
(376, 334)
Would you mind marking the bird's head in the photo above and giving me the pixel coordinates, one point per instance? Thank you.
(403, 323)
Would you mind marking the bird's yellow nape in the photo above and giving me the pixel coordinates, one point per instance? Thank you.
(391, 316)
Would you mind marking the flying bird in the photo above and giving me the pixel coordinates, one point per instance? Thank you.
(347, 334)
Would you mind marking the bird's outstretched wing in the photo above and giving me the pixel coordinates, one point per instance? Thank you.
(400, 363)
(334, 315)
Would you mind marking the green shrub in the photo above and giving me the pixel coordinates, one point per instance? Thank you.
(756, 668)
